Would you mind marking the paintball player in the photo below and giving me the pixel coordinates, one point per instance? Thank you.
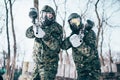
(83, 43)
(48, 37)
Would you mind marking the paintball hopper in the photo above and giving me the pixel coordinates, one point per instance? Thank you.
(89, 25)
(33, 13)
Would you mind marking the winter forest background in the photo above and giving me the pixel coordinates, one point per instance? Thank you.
(15, 48)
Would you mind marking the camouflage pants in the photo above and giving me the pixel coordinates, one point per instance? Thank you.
(45, 71)
(36, 75)
(88, 69)
(86, 75)
(46, 63)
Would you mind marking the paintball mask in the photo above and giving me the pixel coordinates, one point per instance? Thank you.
(75, 22)
(47, 15)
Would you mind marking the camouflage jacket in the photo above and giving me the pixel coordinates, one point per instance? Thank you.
(87, 49)
(49, 46)
(85, 56)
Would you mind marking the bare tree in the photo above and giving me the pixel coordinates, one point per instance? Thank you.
(8, 41)
(56, 6)
(14, 38)
(36, 5)
(99, 21)
(9, 67)
(83, 14)
(103, 22)
(110, 57)
(100, 30)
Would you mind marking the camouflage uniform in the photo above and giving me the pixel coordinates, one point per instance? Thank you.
(46, 50)
(85, 56)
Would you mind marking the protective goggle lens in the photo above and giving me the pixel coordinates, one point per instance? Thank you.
(46, 14)
(75, 21)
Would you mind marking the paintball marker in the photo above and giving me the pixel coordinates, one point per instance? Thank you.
(88, 26)
(81, 35)
(33, 14)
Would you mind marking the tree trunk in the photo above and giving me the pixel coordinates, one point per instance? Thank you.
(8, 41)
(36, 5)
(14, 38)
(99, 21)
(98, 33)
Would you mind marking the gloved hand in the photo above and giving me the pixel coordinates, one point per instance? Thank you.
(75, 40)
(38, 32)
